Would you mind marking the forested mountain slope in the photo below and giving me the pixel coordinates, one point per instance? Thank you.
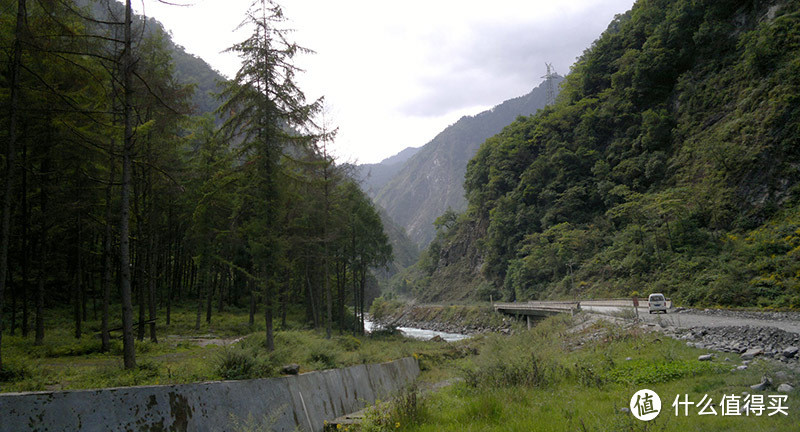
(188, 68)
(670, 164)
(431, 181)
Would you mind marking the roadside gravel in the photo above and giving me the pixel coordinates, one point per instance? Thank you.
(774, 335)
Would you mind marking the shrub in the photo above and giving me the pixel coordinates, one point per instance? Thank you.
(404, 409)
(587, 376)
(349, 343)
(384, 332)
(382, 307)
(530, 371)
(645, 372)
(235, 364)
(253, 424)
(14, 372)
(323, 358)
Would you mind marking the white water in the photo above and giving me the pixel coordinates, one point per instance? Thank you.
(421, 334)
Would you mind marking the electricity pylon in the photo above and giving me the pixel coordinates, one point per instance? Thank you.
(550, 89)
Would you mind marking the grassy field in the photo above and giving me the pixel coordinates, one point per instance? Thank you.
(553, 378)
(560, 376)
(185, 355)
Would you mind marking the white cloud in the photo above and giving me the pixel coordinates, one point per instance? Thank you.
(397, 73)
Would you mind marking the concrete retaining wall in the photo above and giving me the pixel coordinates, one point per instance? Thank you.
(303, 401)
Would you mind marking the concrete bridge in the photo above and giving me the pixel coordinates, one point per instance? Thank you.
(533, 310)
(536, 310)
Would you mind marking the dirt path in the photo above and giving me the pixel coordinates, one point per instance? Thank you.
(204, 341)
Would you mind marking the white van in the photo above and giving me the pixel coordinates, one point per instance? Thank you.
(657, 303)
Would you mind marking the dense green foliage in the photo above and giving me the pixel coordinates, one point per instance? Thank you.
(405, 251)
(249, 212)
(668, 164)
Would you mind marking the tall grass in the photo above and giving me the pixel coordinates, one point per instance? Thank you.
(64, 362)
(553, 379)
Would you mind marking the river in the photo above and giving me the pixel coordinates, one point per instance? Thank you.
(418, 333)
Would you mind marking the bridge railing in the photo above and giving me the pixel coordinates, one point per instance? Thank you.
(570, 306)
(544, 307)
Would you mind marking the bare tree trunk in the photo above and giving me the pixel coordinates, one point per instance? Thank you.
(85, 293)
(355, 301)
(10, 288)
(176, 271)
(252, 321)
(44, 168)
(341, 279)
(192, 280)
(210, 295)
(328, 297)
(76, 292)
(326, 282)
(107, 259)
(39, 339)
(361, 296)
(200, 284)
(129, 352)
(270, 342)
(312, 299)
(223, 283)
(285, 298)
(151, 285)
(5, 229)
(96, 292)
(26, 233)
(140, 255)
(140, 286)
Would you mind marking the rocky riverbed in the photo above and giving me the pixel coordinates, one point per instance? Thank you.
(758, 315)
(768, 342)
(467, 320)
(448, 327)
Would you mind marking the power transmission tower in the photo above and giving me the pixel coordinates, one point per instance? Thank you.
(550, 89)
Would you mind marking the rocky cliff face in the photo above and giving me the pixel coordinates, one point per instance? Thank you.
(431, 181)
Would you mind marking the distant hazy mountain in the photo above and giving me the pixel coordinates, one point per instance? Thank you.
(418, 191)
(373, 177)
(189, 69)
(405, 251)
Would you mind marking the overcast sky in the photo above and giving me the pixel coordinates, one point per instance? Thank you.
(394, 74)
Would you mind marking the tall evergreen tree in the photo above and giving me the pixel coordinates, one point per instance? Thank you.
(266, 104)
(11, 156)
(129, 352)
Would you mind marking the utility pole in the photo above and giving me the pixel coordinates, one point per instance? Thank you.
(550, 89)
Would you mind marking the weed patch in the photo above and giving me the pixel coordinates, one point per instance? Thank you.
(644, 372)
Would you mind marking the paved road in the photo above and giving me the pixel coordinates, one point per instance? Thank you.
(690, 319)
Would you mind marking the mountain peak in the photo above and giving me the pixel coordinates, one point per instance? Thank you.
(431, 179)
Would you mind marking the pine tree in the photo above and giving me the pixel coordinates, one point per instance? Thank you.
(266, 104)
(128, 349)
(11, 155)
